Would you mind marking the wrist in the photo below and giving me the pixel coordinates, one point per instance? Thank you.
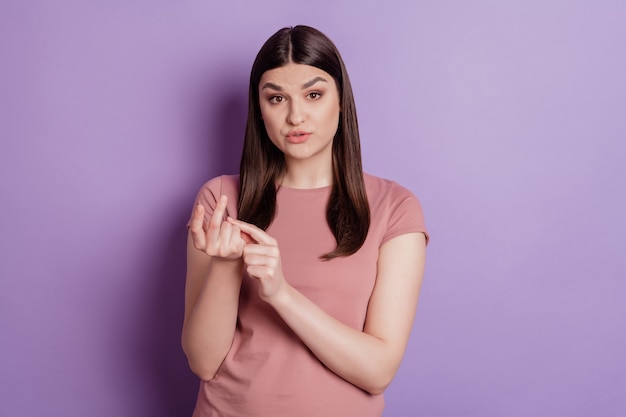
(225, 265)
(282, 297)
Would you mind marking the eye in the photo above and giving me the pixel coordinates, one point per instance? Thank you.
(314, 95)
(277, 99)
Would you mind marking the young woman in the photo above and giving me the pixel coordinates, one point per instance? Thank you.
(303, 272)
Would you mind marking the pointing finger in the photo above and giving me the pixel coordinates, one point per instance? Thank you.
(218, 213)
(254, 232)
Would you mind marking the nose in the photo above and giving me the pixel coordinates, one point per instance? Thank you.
(296, 113)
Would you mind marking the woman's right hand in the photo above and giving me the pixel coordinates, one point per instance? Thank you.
(219, 238)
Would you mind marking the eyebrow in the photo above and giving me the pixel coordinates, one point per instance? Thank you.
(272, 86)
(305, 85)
(313, 81)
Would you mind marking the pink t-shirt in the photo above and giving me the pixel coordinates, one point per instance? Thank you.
(268, 371)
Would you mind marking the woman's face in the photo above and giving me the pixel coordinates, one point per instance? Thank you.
(300, 107)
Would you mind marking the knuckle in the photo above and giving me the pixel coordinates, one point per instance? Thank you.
(198, 243)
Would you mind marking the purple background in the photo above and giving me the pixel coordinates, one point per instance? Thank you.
(507, 119)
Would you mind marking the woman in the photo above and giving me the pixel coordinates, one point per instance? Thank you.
(303, 272)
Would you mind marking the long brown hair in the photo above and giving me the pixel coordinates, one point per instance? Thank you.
(262, 163)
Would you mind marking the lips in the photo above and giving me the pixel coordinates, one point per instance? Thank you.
(297, 136)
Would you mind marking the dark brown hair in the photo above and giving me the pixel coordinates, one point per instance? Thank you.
(262, 163)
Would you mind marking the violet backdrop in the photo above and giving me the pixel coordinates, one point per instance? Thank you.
(506, 118)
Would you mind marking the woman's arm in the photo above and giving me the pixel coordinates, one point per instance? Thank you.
(370, 358)
(214, 274)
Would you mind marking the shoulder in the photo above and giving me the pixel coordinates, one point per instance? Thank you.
(208, 194)
(385, 191)
(223, 184)
(393, 207)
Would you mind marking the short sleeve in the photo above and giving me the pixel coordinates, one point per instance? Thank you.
(209, 193)
(405, 214)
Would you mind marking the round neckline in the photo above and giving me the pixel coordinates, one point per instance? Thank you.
(304, 190)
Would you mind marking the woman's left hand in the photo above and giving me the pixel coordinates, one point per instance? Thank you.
(262, 260)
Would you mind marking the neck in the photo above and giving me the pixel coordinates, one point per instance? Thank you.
(305, 174)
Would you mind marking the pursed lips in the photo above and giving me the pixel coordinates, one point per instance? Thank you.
(297, 133)
(297, 136)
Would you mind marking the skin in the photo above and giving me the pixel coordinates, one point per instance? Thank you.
(301, 98)
(218, 253)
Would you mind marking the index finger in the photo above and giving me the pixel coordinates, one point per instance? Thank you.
(218, 214)
(254, 232)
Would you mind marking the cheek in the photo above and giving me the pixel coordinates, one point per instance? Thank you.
(269, 118)
(332, 116)
(269, 124)
(271, 128)
(332, 109)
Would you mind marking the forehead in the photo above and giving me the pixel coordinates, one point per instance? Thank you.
(294, 76)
